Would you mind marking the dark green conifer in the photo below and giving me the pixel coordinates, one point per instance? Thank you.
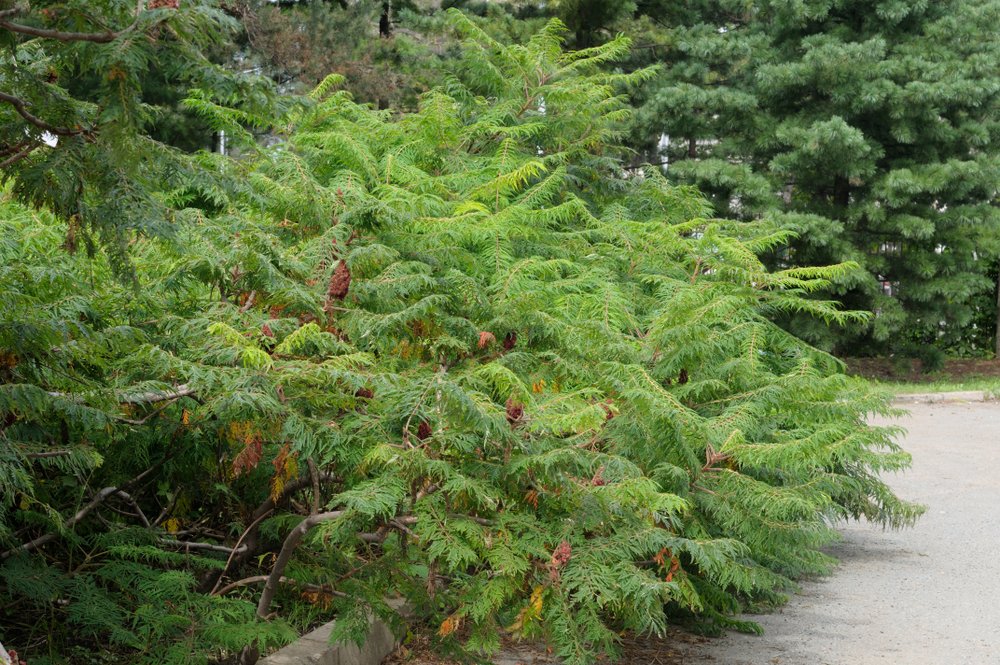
(871, 129)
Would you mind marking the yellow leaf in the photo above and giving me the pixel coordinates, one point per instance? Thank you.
(530, 612)
(172, 525)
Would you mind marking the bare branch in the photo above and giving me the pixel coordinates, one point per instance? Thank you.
(249, 303)
(145, 419)
(49, 453)
(63, 35)
(270, 504)
(98, 499)
(236, 549)
(314, 474)
(15, 147)
(141, 515)
(247, 581)
(21, 107)
(285, 555)
(14, 159)
(182, 390)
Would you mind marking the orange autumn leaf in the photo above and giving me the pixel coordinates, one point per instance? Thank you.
(485, 338)
(449, 626)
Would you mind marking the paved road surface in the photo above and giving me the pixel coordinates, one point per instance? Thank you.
(924, 596)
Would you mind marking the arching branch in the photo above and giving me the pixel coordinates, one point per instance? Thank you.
(285, 555)
(98, 499)
(63, 35)
(21, 107)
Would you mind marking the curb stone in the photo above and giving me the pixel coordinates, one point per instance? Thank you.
(937, 398)
(315, 648)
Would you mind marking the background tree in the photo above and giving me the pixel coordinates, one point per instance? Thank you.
(869, 129)
(298, 43)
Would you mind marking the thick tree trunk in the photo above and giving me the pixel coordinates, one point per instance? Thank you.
(385, 21)
(841, 192)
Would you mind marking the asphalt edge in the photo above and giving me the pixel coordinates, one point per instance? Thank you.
(946, 398)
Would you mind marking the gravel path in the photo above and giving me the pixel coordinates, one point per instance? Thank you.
(923, 596)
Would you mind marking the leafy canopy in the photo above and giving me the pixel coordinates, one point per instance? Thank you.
(453, 355)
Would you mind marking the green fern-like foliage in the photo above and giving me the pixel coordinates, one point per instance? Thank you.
(502, 380)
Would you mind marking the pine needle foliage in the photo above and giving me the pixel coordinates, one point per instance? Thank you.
(455, 356)
(869, 127)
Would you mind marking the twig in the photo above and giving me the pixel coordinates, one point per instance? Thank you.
(166, 510)
(145, 419)
(80, 514)
(270, 504)
(66, 36)
(236, 548)
(188, 546)
(249, 303)
(14, 148)
(14, 159)
(182, 390)
(49, 453)
(284, 580)
(141, 515)
(314, 473)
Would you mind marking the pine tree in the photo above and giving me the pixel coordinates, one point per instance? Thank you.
(871, 130)
(453, 355)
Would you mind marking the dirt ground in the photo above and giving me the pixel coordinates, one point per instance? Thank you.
(911, 371)
(922, 596)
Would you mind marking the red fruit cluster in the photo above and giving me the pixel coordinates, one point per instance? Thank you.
(598, 479)
(509, 341)
(515, 411)
(340, 282)
(560, 557)
(164, 4)
(364, 393)
(485, 337)
(423, 430)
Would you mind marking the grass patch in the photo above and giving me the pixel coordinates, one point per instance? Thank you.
(943, 385)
